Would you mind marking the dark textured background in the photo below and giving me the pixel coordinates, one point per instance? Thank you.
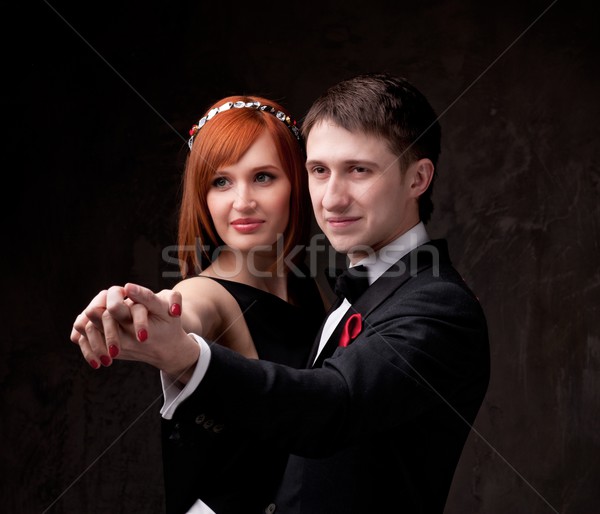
(99, 102)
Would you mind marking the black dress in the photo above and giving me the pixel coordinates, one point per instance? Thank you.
(230, 471)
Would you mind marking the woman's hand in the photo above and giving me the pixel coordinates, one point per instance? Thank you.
(133, 323)
(88, 333)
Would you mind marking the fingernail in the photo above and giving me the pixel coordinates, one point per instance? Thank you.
(94, 364)
(113, 351)
(105, 360)
(175, 309)
(134, 289)
(142, 335)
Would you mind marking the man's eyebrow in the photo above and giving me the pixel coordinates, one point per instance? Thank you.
(349, 162)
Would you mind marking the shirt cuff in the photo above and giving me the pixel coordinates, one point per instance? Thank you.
(200, 508)
(173, 393)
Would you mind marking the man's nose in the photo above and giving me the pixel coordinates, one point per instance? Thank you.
(336, 197)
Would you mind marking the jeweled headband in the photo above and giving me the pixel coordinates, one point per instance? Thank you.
(291, 124)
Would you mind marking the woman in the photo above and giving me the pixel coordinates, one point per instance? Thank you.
(242, 219)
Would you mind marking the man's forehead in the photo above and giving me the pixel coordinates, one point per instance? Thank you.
(330, 142)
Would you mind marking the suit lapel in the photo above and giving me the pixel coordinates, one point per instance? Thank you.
(425, 256)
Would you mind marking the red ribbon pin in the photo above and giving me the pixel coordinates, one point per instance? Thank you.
(352, 328)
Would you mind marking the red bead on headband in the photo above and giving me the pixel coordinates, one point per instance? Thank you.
(291, 124)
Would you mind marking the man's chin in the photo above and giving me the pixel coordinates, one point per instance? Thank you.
(339, 244)
(351, 247)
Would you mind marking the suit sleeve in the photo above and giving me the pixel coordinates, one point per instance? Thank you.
(404, 364)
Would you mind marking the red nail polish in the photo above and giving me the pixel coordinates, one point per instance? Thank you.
(105, 360)
(94, 364)
(175, 309)
(113, 351)
(142, 335)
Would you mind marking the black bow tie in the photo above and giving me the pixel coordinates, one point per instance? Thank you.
(349, 283)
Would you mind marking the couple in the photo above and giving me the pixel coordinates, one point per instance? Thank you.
(271, 405)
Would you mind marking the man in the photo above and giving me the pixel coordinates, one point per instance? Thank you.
(378, 421)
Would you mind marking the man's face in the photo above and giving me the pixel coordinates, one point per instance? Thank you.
(360, 198)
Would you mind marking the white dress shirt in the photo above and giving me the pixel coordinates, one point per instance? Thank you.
(376, 264)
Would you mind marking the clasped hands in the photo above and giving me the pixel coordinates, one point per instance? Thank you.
(132, 322)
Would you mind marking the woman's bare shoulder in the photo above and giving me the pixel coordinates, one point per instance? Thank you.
(215, 313)
(201, 290)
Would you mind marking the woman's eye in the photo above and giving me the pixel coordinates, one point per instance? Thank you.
(264, 178)
(220, 182)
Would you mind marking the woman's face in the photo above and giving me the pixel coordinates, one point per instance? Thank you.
(249, 201)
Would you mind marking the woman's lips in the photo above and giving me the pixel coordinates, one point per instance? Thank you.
(246, 225)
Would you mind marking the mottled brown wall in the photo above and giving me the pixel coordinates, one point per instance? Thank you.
(97, 144)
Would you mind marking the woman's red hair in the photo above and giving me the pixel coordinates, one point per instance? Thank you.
(221, 142)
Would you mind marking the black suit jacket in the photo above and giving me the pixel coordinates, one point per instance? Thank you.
(377, 426)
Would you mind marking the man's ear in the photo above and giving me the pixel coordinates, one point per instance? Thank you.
(421, 176)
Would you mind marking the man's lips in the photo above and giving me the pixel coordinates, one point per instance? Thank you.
(247, 224)
(341, 221)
